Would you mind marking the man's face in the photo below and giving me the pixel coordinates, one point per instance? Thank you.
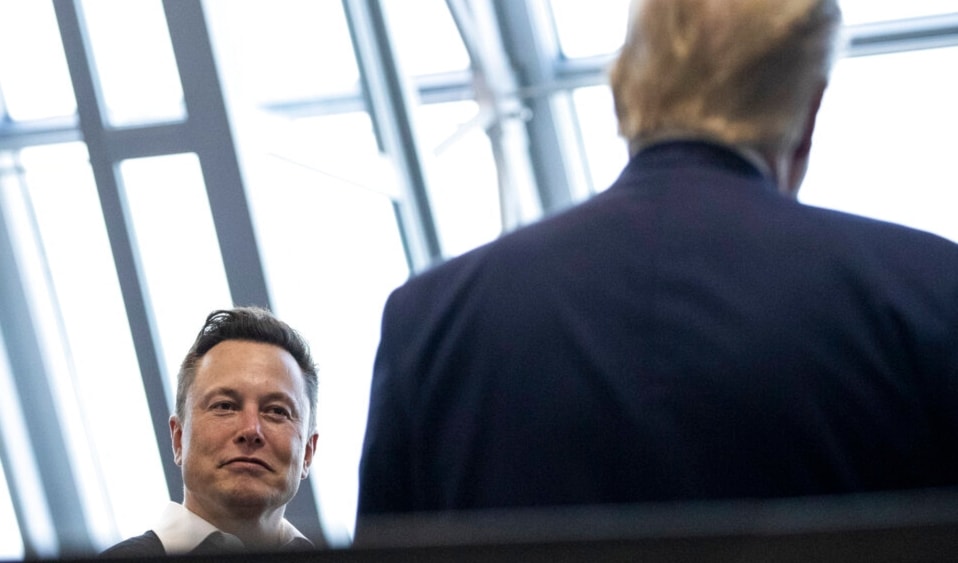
(244, 446)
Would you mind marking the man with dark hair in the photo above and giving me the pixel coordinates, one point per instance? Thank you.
(691, 333)
(243, 433)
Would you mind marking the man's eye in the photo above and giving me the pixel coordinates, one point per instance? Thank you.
(222, 406)
(280, 412)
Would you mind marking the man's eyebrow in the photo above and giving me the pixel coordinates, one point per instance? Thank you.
(222, 391)
(225, 391)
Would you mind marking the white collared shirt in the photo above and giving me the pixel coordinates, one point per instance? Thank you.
(180, 531)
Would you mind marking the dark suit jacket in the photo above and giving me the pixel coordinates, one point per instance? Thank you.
(687, 334)
(147, 544)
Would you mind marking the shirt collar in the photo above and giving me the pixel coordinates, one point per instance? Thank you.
(180, 530)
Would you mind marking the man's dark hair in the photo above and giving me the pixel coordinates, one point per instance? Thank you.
(253, 324)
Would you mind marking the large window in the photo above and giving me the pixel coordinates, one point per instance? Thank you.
(161, 159)
(884, 140)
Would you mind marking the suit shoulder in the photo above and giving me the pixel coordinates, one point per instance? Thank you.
(147, 544)
(877, 232)
(484, 269)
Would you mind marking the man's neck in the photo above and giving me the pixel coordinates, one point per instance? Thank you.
(255, 534)
(255, 529)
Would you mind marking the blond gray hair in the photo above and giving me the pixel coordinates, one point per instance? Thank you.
(743, 72)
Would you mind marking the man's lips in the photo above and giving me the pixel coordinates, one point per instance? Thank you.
(247, 460)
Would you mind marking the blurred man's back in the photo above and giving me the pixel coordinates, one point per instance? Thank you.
(692, 332)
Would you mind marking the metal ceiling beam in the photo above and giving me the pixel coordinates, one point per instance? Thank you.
(129, 274)
(902, 35)
(387, 96)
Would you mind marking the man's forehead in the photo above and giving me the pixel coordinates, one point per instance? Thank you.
(238, 353)
(245, 365)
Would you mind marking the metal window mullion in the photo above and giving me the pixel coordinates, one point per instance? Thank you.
(902, 35)
(147, 141)
(131, 281)
(15, 135)
(535, 59)
(387, 94)
(211, 137)
(502, 111)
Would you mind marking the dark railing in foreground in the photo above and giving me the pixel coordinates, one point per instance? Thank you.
(877, 528)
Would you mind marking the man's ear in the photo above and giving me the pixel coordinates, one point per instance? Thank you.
(799, 157)
(805, 145)
(176, 433)
(310, 450)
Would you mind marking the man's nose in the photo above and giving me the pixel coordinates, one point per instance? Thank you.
(250, 430)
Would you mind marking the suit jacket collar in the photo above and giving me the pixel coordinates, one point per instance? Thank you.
(699, 154)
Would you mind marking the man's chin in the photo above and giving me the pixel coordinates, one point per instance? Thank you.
(253, 496)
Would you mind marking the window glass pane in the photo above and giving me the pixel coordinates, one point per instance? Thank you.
(22, 475)
(605, 152)
(178, 248)
(339, 146)
(461, 175)
(864, 11)
(332, 252)
(426, 39)
(134, 61)
(292, 51)
(102, 405)
(588, 29)
(462, 178)
(11, 544)
(884, 143)
(34, 80)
